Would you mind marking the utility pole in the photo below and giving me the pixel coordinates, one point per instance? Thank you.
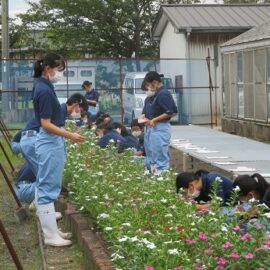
(5, 56)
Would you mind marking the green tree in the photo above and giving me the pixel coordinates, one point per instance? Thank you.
(100, 27)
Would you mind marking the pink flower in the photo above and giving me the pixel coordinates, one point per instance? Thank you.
(208, 251)
(245, 236)
(214, 235)
(249, 255)
(178, 268)
(267, 243)
(222, 261)
(237, 228)
(234, 255)
(204, 210)
(189, 241)
(202, 236)
(258, 226)
(260, 268)
(227, 245)
(149, 268)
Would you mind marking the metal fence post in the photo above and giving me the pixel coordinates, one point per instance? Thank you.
(10, 247)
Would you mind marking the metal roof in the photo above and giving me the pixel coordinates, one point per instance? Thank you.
(259, 33)
(211, 17)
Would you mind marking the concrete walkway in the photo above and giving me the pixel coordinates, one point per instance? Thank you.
(229, 152)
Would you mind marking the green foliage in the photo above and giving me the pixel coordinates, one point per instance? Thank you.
(148, 226)
(102, 28)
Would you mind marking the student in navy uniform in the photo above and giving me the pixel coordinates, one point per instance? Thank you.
(253, 187)
(75, 105)
(198, 186)
(144, 118)
(27, 143)
(15, 144)
(111, 132)
(50, 145)
(131, 141)
(25, 184)
(162, 108)
(137, 131)
(83, 120)
(91, 96)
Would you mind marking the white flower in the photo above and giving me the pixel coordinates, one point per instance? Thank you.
(173, 251)
(81, 208)
(160, 178)
(108, 228)
(123, 239)
(117, 257)
(218, 179)
(237, 189)
(151, 245)
(224, 229)
(134, 239)
(100, 173)
(163, 200)
(168, 215)
(103, 215)
(126, 224)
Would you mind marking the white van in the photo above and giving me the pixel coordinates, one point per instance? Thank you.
(64, 91)
(134, 96)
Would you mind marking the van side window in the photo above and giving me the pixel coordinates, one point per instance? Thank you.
(69, 73)
(86, 73)
(129, 86)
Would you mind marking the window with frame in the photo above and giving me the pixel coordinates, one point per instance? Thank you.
(240, 85)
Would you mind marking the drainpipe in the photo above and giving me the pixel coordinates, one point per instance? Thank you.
(189, 103)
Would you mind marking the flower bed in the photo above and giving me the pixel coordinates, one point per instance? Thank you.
(147, 225)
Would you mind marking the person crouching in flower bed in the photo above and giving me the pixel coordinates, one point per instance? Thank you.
(109, 133)
(199, 185)
(253, 187)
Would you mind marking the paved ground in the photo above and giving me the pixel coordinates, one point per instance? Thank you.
(229, 152)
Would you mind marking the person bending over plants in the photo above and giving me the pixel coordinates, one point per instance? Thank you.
(199, 185)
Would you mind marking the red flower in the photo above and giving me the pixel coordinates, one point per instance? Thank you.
(168, 228)
(179, 229)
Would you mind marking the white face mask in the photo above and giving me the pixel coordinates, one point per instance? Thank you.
(85, 121)
(56, 77)
(196, 193)
(75, 115)
(136, 133)
(150, 93)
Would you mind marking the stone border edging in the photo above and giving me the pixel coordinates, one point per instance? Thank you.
(94, 252)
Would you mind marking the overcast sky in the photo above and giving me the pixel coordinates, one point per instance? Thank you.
(18, 6)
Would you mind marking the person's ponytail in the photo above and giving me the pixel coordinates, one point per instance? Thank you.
(262, 184)
(38, 68)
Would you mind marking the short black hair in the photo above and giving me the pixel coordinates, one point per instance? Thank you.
(78, 98)
(86, 83)
(152, 76)
(184, 179)
(135, 123)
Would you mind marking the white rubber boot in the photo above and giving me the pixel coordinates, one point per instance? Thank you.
(67, 235)
(58, 215)
(46, 214)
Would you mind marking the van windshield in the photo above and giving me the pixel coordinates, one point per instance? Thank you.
(138, 86)
(166, 81)
(61, 89)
